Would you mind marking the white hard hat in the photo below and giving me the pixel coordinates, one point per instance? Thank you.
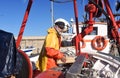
(65, 22)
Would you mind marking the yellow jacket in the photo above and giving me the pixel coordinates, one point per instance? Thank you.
(50, 51)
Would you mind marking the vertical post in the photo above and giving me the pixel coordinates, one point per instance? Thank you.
(77, 44)
(52, 11)
(23, 23)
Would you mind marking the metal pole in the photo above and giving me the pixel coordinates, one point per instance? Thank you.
(77, 44)
(52, 11)
(24, 23)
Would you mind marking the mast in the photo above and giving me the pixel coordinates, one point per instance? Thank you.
(52, 11)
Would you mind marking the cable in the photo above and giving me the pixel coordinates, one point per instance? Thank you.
(59, 1)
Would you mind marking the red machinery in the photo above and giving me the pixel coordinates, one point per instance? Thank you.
(94, 8)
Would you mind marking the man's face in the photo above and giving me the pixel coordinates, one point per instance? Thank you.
(60, 30)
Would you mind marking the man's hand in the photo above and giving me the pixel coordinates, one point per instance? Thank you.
(63, 59)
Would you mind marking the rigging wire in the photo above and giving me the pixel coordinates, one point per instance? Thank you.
(60, 1)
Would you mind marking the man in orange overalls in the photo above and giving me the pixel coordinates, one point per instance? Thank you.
(50, 50)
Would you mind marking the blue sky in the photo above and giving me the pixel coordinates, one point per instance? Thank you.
(12, 13)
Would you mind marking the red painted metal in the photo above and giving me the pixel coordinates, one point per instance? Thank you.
(98, 12)
(50, 74)
(77, 45)
(114, 31)
(23, 23)
(30, 74)
(91, 9)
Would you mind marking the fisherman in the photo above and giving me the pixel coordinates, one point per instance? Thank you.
(50, 51)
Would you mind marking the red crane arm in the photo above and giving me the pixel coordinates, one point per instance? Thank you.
(23, 23)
